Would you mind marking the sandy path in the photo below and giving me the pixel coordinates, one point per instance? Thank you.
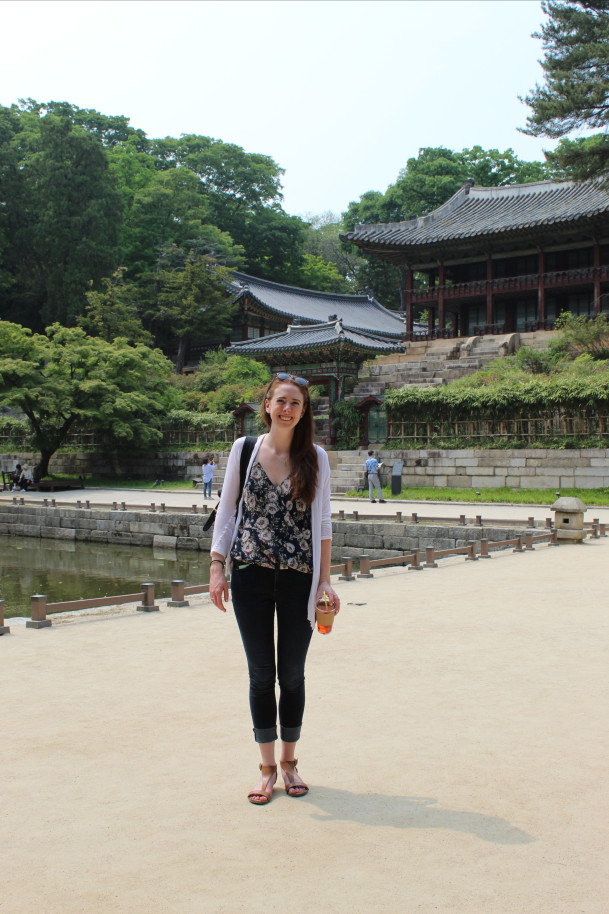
(455, 741)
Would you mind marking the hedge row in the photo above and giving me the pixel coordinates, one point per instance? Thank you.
(537, 397)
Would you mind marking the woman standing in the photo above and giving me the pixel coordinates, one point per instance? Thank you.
(278, 541)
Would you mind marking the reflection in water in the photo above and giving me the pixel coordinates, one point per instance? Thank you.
(73, 571)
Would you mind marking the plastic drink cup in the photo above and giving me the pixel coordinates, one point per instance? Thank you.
(325, 614)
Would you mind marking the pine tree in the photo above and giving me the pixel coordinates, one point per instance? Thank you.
(576, 91)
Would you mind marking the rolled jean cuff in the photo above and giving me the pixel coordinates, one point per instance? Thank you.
(290, 734)
(265, 736)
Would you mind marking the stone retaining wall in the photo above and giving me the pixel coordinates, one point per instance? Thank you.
(468, 468)
(185, 531)
(125, 465)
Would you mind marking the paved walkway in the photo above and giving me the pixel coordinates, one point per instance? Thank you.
(455, 741)
(184, 498)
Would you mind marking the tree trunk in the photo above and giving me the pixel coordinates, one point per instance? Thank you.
(42, 467)
(182, 353)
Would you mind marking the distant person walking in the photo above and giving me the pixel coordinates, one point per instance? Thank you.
(373, 467)
(208, 475)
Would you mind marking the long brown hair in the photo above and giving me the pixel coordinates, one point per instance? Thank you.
(303, 456)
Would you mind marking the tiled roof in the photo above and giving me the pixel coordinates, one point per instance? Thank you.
(357, 312)
(474, 212)
(317, 336)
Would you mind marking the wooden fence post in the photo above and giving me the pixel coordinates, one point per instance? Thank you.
(518, 546)
(484, 553)
(415, 565)
(177, 594)
(430, 554)
(528, 542)
(364, 567)
(4, 629)
(38, 611)
(347, 574)
(471, 552)
(147, 605)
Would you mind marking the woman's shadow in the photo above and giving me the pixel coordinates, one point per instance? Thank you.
(410, 812)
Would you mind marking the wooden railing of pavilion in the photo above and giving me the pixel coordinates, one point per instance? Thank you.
(530, 281)
(423, 434)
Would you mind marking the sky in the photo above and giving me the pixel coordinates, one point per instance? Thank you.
(340, 93)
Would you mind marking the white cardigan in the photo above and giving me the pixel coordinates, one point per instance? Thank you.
(228, 520)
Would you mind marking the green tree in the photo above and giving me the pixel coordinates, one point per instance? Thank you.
(61, 217)
(580, 335)
(225, 381)
(114, 312)
(322, 239)
(191, 299)
(575, 94)
(424, 184)
(66, 378)
(243, 193)
(317, 273)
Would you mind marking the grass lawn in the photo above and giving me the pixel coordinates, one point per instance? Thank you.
(598, 497)
(99, 482)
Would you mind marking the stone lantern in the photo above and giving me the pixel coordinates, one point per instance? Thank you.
(569, 519)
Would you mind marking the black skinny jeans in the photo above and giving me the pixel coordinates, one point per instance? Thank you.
(257, 593)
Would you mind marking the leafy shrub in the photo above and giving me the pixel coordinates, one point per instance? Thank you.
(345, 422)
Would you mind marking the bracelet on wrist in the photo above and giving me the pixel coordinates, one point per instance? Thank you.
(219, 561)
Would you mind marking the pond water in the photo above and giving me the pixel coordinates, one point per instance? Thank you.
(74, 571)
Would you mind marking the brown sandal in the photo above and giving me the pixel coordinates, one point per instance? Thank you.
(288, 769)
(256, 796)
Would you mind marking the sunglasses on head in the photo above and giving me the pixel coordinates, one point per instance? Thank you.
(283, 376)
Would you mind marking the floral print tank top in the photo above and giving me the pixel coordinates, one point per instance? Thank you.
(275, 529)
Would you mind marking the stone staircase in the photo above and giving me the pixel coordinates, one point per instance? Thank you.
(347, 470)
(429, 364)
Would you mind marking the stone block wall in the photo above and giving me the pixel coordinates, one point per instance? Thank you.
(468, 469)
(477, 468)
(153, 465)
(185, 531)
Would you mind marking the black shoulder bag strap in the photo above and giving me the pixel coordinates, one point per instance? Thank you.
(246, 453)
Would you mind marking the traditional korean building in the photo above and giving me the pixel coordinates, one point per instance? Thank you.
(500, 259)
(266, 308)
(327, 354)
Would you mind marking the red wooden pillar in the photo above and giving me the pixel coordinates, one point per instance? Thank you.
(409, 285)
(597, 278)
(541, 289)
(406, 296)
(489, 290)
(441, 319)
(431, 319)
